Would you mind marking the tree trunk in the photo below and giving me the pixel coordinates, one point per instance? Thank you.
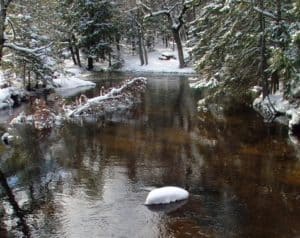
(2, 27)
(78, 56)
(77, 53)
(144, 49)
(24, 75)
(118, 38)
(29, 81)
(109, 59)
(72, 51)
(16, 208)
(141, 54)
(177, 39)
(90, 63)
(263, 60)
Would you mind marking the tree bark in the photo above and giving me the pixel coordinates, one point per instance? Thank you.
(109, 59)
(263, 60)
(29, 81)
(72, 51)
(77, 53)
(3, 9)
(16, 208)
(141, 54)
(177, 39)
(90, 65)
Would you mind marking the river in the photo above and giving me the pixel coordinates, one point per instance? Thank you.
(91, 179)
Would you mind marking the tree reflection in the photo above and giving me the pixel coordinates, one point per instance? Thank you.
(20, 214)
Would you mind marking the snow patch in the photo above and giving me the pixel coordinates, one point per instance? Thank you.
(6, 95)
(70, 82)
(166, 195)
(155, 65)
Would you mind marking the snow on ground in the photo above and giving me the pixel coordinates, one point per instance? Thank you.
(9, 90)
(166, 195)
(155, 65)
(72, 81)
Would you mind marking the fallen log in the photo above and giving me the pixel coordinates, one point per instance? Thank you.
(118, 100)
(122, 97)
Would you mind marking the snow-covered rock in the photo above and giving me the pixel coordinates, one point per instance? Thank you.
(276, 105)
(7, 138)
(294, 123)
(167, 208)
(165, 195)
(10, 96)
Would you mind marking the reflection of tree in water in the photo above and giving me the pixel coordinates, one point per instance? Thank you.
(20, 214)
(30, 174)
(245, 166)
(233, 173)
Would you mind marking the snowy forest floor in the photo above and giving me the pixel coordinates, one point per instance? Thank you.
(132, 62)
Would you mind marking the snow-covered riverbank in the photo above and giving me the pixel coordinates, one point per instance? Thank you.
(72, 80)
(276, 107)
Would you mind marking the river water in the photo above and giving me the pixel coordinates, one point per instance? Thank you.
(91, 179)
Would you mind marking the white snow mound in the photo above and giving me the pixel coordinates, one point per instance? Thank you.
(166, 195)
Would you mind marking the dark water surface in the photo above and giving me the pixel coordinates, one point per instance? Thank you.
(91, 180)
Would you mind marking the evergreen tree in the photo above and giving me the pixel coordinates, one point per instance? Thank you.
(95, 29)
(243, 43)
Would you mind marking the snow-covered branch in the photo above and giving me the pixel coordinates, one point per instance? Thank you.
(123, 95)
(176, 21)
(265, 13)
(34, 51)
(12, 27)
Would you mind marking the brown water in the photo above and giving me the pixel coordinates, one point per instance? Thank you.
(91, 180)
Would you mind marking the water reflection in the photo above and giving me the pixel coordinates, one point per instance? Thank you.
(87, 180)
(167, 208)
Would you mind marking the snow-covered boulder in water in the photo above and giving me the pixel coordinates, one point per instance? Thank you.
(294, 123)
(166, 195)
(7, 139)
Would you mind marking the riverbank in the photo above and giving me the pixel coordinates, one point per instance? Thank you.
(274, 107)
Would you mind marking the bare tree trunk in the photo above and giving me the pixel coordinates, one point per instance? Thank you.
(78, 56)
(16, 208)
(29, 81)
(109, 59)
(24, 75)
(177, 39)
(90, 65)
(141, 54)
(144, 48)
(72, 51)
(77, 53)
(3, 9)
(263, 60)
